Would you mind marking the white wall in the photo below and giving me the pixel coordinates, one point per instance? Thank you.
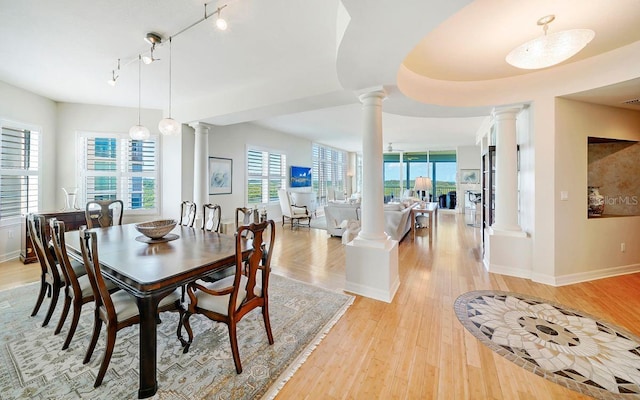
(21, 106)
(468, 157)
(232, 142)
(74, 118)
(589, 248)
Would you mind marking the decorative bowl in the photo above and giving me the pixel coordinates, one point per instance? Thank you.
(156, 229)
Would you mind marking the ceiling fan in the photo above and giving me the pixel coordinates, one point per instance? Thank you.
(391, 149)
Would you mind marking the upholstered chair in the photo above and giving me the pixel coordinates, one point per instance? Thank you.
(230, 299)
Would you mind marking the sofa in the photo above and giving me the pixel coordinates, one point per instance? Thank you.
(397, 218)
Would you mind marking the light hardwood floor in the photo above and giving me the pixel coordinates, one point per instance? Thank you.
(414, 347)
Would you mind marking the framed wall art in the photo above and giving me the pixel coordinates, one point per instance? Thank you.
(220, 175)
(469, 176)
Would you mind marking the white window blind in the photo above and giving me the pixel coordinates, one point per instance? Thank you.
(114, 166)
(266, 173)
(18, 171)
(329, 169)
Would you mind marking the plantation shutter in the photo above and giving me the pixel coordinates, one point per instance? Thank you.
(18, 172)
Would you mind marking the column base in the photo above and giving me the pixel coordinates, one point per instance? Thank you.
(372, 268)
(503, 230)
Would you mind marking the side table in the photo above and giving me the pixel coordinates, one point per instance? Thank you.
(432, 210)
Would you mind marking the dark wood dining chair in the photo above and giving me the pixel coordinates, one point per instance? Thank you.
(231, 298)
(187, 213)
(211, 214)
(51, 278)
(118, 310)
(77, 288)
(104, 213)
(245, 216)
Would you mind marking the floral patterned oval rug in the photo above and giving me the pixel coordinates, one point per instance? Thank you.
(563, 345)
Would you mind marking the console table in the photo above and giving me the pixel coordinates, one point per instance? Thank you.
(73, 220)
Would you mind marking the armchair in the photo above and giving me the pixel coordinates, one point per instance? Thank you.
(292, 213)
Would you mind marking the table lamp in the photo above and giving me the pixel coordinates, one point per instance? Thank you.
(422, 185)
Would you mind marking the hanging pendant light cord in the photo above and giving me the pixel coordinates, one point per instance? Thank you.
(139, 86)
(170, 76)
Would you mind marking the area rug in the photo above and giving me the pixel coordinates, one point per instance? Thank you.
(563, 345)
(33, 366)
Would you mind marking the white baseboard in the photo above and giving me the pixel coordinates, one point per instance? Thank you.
(563, 280)
(596, 274)
(373, 293)
(505, 270)
(9, 256)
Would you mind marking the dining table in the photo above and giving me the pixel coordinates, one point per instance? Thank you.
(150, 271)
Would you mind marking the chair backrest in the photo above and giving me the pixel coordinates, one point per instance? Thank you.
(57, 230)
(259, 261)
(101, 296)
(245, 216)
(212, 213)
(187, 213)
(36, 227)
(104, 213)
(285, 202)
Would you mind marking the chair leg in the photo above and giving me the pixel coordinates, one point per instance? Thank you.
(283, 220)
(187, 325)
(97, 325)
(41, 294)
(55, 292)
(108, 351)
(267, 323)
(233, 338)
(65, 312)
(74, 324)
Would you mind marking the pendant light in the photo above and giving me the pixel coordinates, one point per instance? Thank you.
(549, 49)
(169, 126)
(139, 132)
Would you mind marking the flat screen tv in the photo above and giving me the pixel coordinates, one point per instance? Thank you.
(300, 176)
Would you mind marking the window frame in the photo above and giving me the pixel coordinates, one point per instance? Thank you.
(121, 172)
(268, 177)
(21, 126)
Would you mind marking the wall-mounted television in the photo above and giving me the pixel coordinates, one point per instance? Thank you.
(300, 176)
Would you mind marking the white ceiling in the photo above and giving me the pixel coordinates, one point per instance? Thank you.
(297, 66)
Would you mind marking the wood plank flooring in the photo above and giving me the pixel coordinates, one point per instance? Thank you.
(414, 347)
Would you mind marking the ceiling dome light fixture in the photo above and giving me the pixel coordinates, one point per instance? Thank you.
(169, 126)
(549, 49)
(139, 132)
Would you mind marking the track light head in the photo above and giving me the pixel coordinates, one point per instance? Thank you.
(220, 22)
(153, 38)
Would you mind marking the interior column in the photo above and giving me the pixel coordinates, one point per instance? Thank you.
(372, 188)
(200, 178)
(372, 257)
(506, 212)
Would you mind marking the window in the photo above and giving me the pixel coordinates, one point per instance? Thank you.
(439, 165)
(114, 166)
(18, 170)
(266, 173)
(329, 170)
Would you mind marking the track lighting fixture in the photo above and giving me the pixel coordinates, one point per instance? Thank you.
(167, 126)
(220, 22)
(114, 77)
(139, 132)
(153, 39)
